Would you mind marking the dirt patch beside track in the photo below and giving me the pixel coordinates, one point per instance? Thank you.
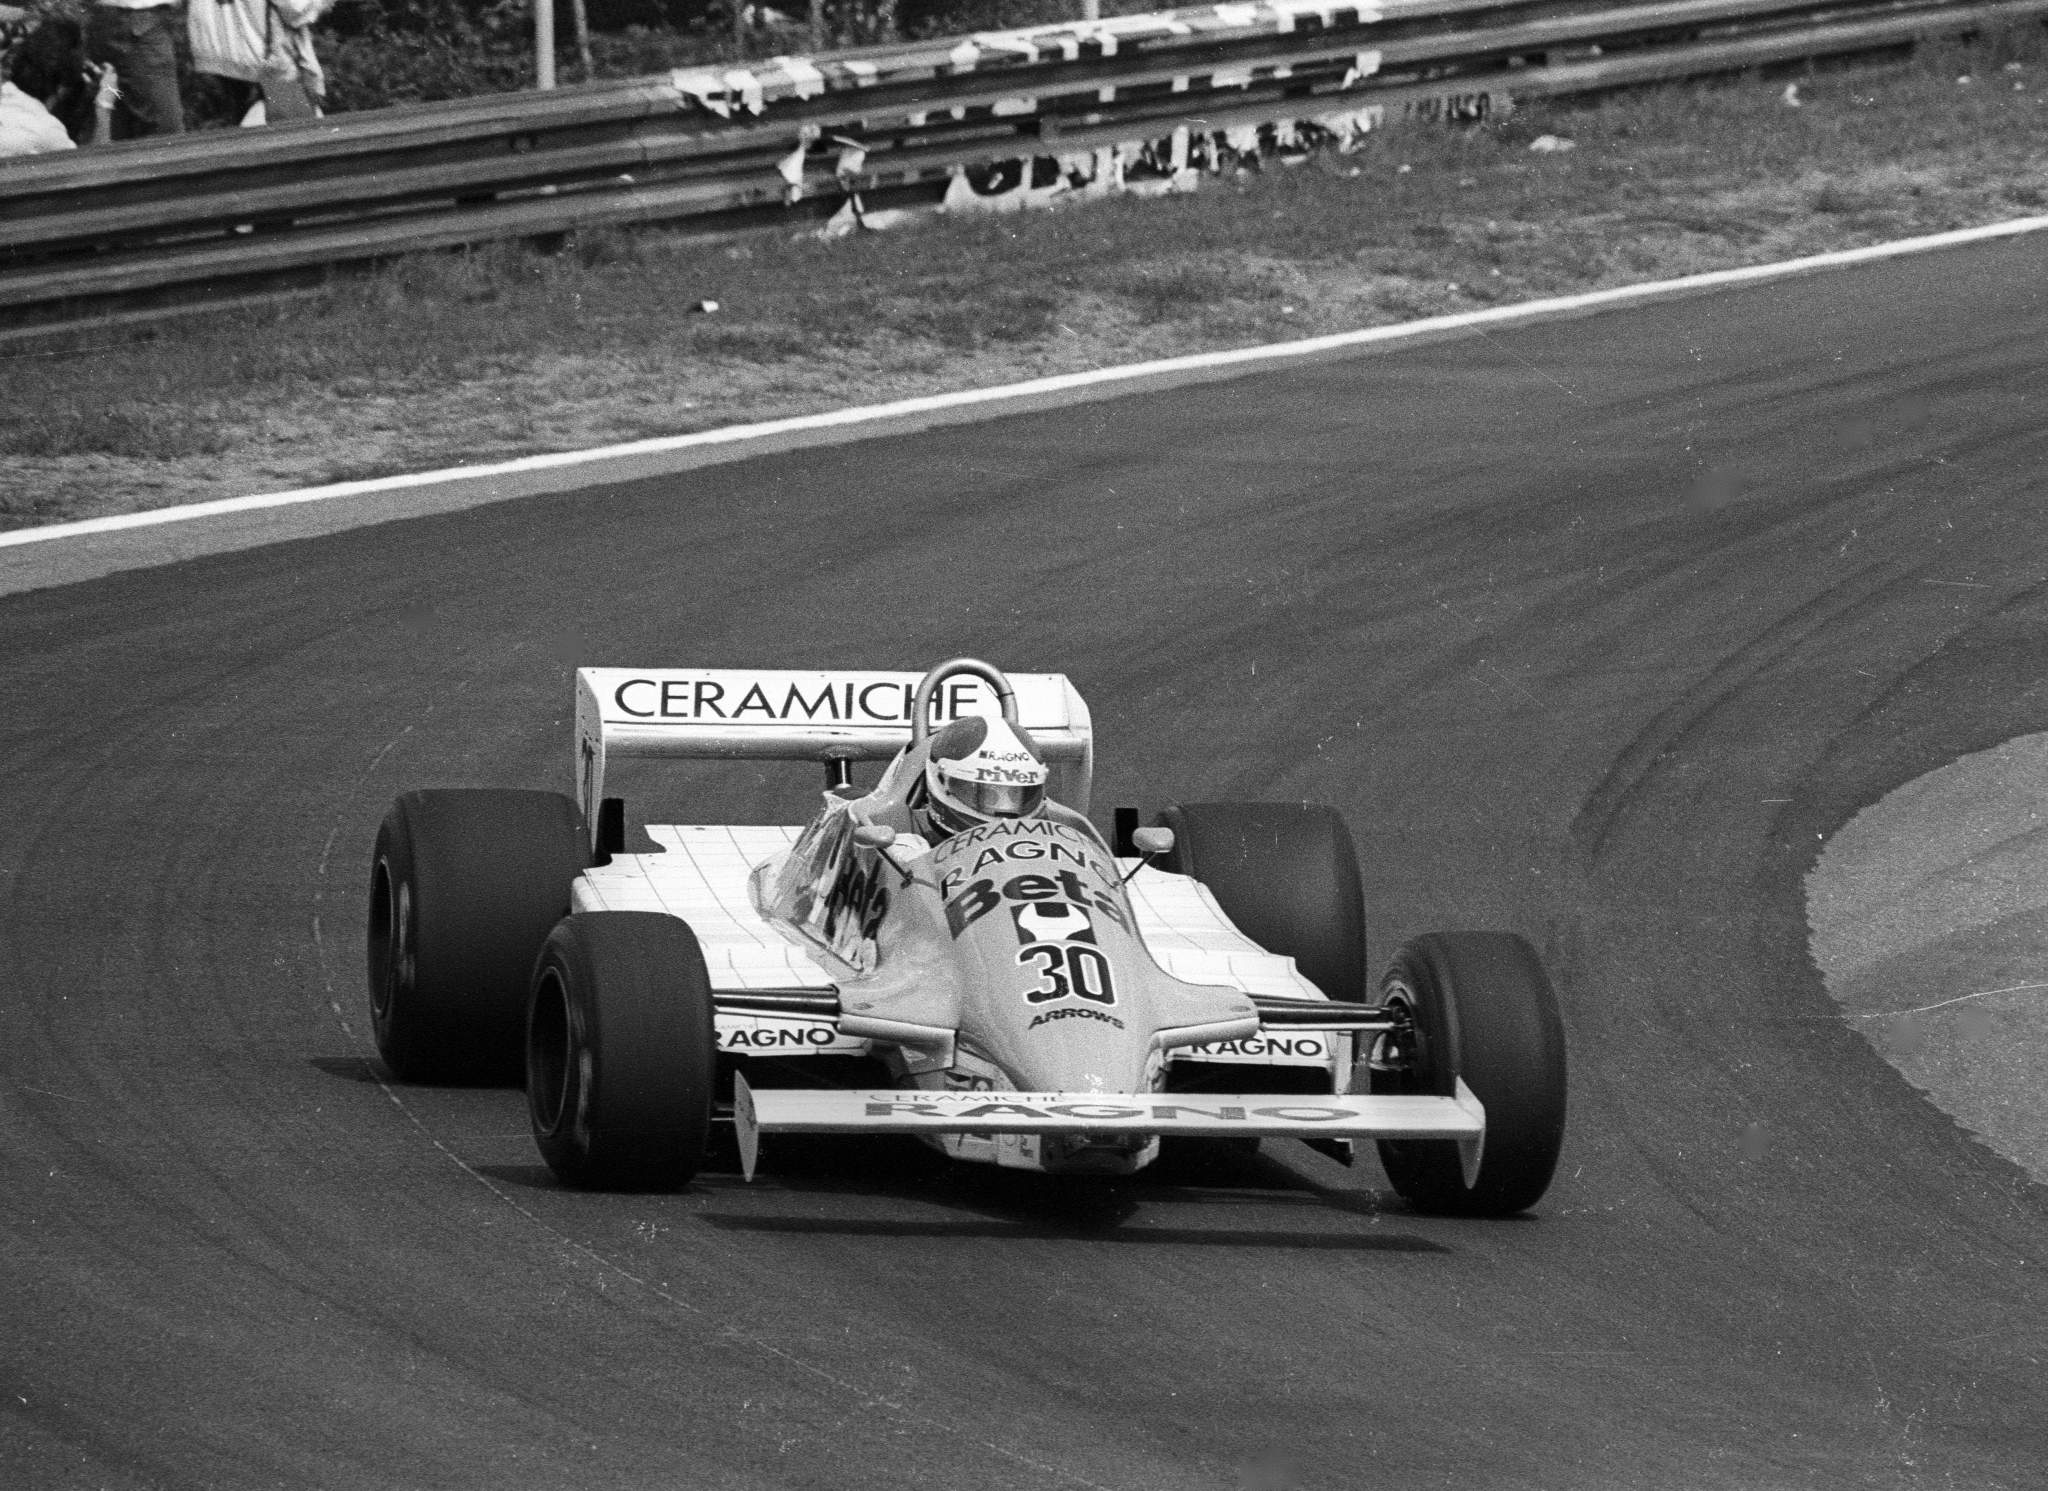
(1929, 915)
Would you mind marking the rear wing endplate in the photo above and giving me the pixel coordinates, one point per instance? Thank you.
(739, 714)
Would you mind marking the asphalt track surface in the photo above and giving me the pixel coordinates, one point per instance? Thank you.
(1591, 629)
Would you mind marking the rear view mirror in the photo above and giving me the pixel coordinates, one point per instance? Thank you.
(874, 836)
(1151, 841)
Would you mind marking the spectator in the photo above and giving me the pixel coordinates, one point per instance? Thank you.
(50, 96)
(135, 36)
(264, 50)
(27, 127)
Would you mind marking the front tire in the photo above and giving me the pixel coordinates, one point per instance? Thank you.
(464, 885)
(1480, 1007)
(1286, 875)
(621, 1052)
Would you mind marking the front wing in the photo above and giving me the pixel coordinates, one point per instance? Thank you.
(1237, 1115)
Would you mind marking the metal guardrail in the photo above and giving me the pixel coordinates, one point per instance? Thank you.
(1085, 106)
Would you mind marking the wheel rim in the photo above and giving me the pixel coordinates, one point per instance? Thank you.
(1399, 1056)
(1401, 1061)
(551, 1056)
(391, 941)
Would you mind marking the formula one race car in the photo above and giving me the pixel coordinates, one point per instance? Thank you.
(956, 953)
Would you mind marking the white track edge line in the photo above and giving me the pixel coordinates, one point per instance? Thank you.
(1059, 383)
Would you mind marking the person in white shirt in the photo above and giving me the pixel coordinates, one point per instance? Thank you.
(265, 47)
(26, 127)
(44, 84)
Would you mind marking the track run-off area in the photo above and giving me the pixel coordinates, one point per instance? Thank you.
(1593, 629)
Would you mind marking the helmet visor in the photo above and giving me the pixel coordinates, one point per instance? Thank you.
(1000, 799)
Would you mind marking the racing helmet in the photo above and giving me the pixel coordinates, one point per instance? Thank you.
(981, 770)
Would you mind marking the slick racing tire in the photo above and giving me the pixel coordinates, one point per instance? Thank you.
(1287, 875)
(621, 1052)
(464, 885)
(1480, 1007)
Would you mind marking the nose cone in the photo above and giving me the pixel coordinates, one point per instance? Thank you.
(1059, 989)
(1079, 1048)
(1054, 1003)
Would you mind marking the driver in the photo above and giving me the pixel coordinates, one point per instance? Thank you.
(979, 770)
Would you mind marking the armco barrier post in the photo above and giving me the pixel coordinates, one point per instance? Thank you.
(544, 43)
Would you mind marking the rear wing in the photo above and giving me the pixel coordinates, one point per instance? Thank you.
(746, 714)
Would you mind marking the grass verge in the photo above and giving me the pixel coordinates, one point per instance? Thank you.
(506, 351)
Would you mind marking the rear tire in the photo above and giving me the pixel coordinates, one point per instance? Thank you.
(464, 885)
(1482, 1008)
(1287, 875)
(621, 1052)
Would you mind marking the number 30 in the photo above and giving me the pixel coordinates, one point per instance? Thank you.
(1069, 971)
